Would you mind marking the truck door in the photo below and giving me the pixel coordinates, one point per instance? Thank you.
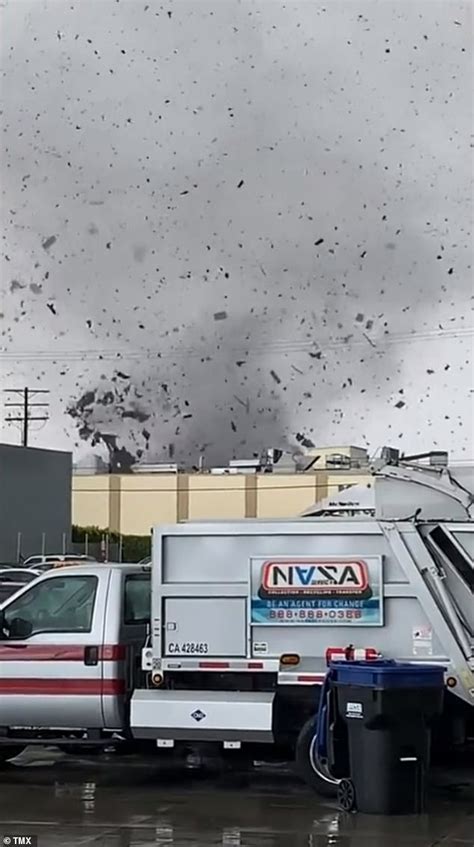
(50, 649)
(132, 619)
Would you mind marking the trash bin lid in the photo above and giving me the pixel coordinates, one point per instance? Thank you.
(387, 673)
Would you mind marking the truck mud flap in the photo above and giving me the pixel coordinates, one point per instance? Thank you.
(203, 715)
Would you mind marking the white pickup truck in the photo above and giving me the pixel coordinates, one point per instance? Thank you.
(243, 618)
(70, 656)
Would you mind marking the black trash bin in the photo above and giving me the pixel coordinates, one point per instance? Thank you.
(388, 709)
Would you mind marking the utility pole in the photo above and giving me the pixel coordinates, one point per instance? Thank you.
(26, 405)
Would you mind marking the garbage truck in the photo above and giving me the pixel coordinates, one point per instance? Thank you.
(226, 637)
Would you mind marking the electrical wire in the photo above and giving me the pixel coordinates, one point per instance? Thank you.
(210, 490)
(264, 347)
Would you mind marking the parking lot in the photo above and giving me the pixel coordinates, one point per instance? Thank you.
(130, 802)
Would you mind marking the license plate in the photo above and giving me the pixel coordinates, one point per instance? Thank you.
(185, 648)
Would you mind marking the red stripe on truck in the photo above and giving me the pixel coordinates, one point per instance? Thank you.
(215, 665)
(63, 687)
(58, 652)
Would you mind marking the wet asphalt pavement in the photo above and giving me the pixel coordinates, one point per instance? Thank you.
(130, 802)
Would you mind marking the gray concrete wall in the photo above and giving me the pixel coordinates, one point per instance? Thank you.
(35, 498)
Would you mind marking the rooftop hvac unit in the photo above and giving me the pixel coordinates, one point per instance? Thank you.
(245, 464)
(338, 460)
(161, 467)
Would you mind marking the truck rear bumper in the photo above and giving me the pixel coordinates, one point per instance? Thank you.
(203, 715)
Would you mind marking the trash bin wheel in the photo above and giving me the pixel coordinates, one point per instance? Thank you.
(305, 765)
(346, 795)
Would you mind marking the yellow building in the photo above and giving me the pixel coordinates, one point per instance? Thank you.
(132, 503)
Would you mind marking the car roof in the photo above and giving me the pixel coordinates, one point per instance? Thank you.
(59, 557)
(92, 568)
(42, 557)
(18, 570)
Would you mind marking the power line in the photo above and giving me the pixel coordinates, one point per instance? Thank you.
(216, 490)
(263, 347)
(26, 405)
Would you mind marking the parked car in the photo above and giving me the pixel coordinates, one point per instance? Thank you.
(12, 579)
(44, 563)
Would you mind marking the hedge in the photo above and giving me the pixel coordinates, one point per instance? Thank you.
(134, 547)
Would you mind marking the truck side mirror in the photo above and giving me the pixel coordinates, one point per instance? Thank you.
(20, 628)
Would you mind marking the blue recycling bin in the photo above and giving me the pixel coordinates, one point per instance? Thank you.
(388, 709)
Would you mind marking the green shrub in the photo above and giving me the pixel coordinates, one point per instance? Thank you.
(134, 547)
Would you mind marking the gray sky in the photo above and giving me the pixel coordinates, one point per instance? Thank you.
(257, 213)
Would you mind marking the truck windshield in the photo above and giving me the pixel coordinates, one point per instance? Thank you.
(461, 561)
(466, 540)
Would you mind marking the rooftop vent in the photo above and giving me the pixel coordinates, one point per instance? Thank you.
(160, 467)
(338, 460)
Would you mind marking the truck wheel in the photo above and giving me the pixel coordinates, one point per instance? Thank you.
(8, 752)
(304, 763)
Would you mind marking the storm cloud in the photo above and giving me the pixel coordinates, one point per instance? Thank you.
(261, 206)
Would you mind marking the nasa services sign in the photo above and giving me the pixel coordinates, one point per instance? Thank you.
(342, 591)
